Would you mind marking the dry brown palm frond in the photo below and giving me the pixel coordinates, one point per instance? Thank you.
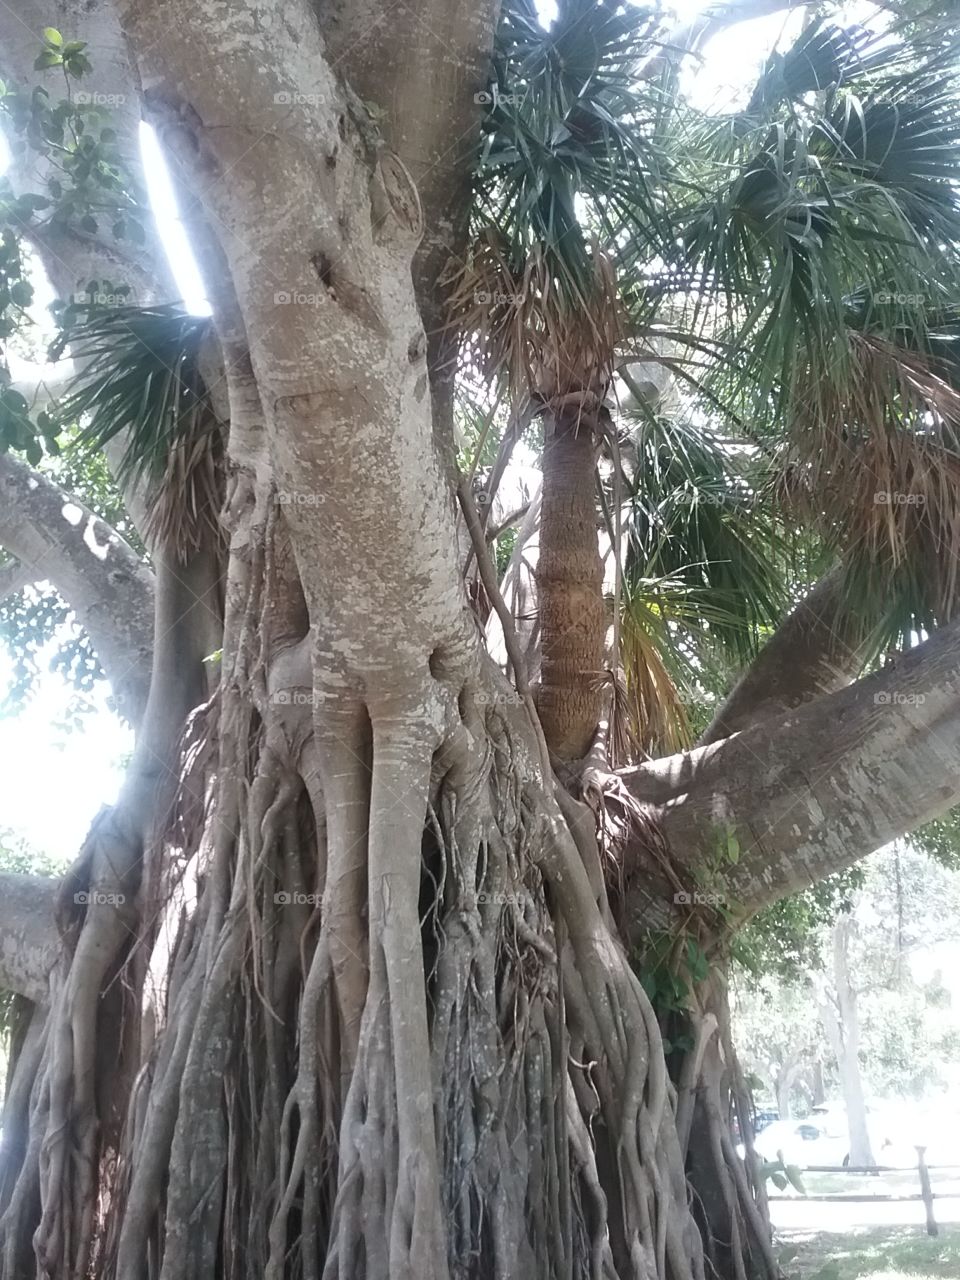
(874, 457)
(546, 337)
(648, 701)
(184, 504)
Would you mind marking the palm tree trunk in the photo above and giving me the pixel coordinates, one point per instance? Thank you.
(570, 581)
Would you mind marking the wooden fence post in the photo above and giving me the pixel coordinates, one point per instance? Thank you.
(926, 1192)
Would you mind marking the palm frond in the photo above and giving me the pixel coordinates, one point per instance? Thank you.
(649, 711)
(570, 164)
(874, 463)
(700, 512)
(845, 183)
(139, 380)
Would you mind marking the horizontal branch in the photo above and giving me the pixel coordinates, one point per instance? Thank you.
(813, 791)
(817, 649)
(56, 538)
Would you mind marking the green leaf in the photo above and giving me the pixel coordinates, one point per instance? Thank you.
(733, 848)
(78, 65)
(52, 36)
(796, 1178)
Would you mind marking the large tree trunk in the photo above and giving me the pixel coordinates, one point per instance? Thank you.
(392, 1033)
(783, 1084)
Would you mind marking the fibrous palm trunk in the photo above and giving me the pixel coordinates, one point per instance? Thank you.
(570, 585)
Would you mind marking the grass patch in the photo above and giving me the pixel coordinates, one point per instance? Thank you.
(873, 1253)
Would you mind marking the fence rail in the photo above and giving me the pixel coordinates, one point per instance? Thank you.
(926, 1193)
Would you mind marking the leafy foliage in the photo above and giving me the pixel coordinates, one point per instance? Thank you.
(784, 939)
(38, 631)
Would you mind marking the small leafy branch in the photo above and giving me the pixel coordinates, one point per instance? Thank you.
(670, 968)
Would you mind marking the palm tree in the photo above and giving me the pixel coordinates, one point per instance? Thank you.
(791, 264)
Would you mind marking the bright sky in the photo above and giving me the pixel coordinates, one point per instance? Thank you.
(53, 782)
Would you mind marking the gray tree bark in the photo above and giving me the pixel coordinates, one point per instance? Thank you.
(102, 579)
(812, 791)
(817, 649)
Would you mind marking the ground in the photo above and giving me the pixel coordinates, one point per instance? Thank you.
(871, 1253)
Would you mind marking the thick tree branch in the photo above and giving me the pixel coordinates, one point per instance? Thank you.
(29, 941)
(813, 791)
(55, 537)
(817, 649)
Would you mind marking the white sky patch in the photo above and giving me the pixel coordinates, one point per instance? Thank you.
(53, 782)
(173, 233)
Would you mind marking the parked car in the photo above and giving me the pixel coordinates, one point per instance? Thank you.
(823, 1138)
(803, 1142)
(762, 1118)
